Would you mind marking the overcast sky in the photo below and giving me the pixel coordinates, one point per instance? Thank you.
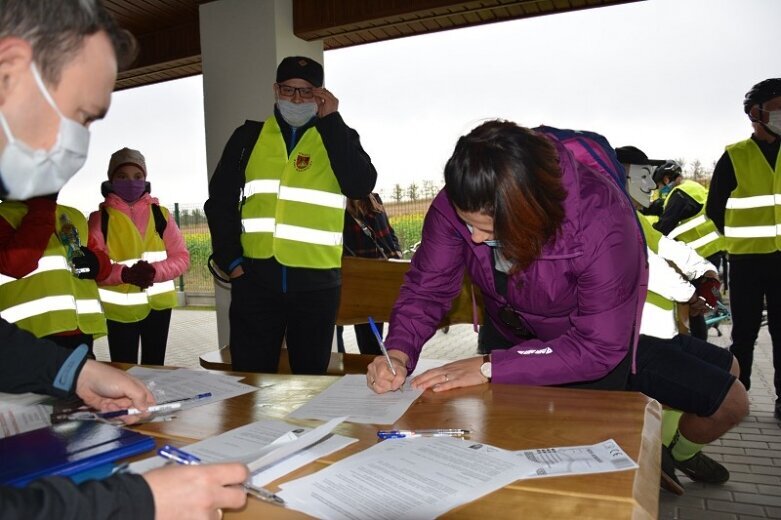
(667, 76)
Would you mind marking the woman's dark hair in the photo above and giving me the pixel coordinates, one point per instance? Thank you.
(365, 207)
(56, 30)
(511, 174)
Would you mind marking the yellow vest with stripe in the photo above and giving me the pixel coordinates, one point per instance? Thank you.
(752, 218)
(293, 207)
(652, 237)
(698, 231)
(51, 299)
(127, 303)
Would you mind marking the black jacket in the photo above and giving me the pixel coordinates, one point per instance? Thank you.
(351, 165)
(29, 364)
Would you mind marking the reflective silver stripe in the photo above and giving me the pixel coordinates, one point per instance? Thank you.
(261, 186)
(155, 256)
(758, 201)
(88, 307)
(128, 262)
(707, 239)
(45, 263)
(123, 299)
(308, 235)
(752, 231)
(258, 225)
(161, 287)
(683, 228)
(315, 197)
(39, 306)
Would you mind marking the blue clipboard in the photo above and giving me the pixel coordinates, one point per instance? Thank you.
(67, 449)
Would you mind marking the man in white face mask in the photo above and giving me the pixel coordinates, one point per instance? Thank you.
(276, 212)
(745, 204)
(58, 66)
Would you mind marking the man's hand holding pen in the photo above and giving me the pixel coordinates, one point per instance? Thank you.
(379, 376)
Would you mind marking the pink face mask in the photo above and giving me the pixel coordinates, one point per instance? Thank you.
(129, 190)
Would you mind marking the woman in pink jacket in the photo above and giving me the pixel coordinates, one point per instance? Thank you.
(147, 252)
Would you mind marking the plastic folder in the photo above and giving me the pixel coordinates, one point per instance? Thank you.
(66, 449)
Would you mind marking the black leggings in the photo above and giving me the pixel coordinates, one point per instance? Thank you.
(153, 332)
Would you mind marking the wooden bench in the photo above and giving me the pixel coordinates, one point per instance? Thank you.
(369, 288)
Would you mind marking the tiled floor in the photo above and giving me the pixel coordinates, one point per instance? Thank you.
(752, 451)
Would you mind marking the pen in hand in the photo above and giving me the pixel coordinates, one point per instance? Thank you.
(179, 456)
(167, 406)
(382, 345)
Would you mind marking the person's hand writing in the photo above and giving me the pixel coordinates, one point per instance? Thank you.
(197, 492)
(464, 372)
(327, 103)
(379, 377)
(107, 389)
(697, 306)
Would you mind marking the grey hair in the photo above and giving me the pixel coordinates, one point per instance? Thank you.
(55, 29)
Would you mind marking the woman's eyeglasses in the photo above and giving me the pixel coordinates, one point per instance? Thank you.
(514, 320)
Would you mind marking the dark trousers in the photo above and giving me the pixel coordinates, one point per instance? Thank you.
(153, 333)
(73, 341)
(261, 318)
(754, 281)
(364, 336)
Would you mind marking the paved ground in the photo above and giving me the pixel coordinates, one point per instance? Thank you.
(752, 451)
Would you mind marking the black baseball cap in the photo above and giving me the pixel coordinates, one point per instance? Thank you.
(634, 155)
(300, 67)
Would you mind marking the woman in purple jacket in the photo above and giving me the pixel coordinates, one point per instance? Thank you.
(554, 248)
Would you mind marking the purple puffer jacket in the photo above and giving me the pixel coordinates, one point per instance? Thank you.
(580, 297)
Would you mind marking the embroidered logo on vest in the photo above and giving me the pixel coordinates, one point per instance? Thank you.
(302, 162)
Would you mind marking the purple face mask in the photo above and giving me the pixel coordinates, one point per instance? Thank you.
(129, 190)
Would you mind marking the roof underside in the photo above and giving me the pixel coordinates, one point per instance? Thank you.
(168, 30)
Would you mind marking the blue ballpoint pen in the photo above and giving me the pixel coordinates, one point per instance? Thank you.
(434, 432)
(167, 406)
(382, 344)
(180, 456)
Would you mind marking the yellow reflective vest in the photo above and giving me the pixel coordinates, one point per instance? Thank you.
(292, 207)
(752, 218)
(698, 231)
(51, 299)
(127, 303)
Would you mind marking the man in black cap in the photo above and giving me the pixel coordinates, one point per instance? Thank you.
(276, 213)
(745, 204)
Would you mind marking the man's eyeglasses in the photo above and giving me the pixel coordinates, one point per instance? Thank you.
(288, 91)
(514, 320)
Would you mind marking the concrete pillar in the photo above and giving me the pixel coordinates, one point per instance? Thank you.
(242, 41)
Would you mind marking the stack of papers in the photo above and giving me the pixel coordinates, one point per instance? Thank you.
(425, 477)
(270, 448)
(21, 413)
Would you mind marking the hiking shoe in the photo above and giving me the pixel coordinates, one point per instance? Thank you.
(702, 468)
(669, 481)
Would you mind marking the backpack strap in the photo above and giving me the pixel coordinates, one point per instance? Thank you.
(104, 223)
(160, 221)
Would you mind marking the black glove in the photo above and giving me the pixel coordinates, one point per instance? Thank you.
(140, 274)
(86, 266)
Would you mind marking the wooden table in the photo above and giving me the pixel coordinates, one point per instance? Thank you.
(507, 416)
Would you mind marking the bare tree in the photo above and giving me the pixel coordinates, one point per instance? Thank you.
(412, 192)
(398, 193)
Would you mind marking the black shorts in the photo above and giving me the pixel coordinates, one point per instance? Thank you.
(684, 373)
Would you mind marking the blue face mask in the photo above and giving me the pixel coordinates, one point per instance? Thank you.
(489, 243)
(664, 190)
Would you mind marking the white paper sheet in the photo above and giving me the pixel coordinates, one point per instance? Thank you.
(424, 477)
(403, 478)
(169, 385)
(351, 397)
(248, 442)
(19, 419)
(575, 460)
